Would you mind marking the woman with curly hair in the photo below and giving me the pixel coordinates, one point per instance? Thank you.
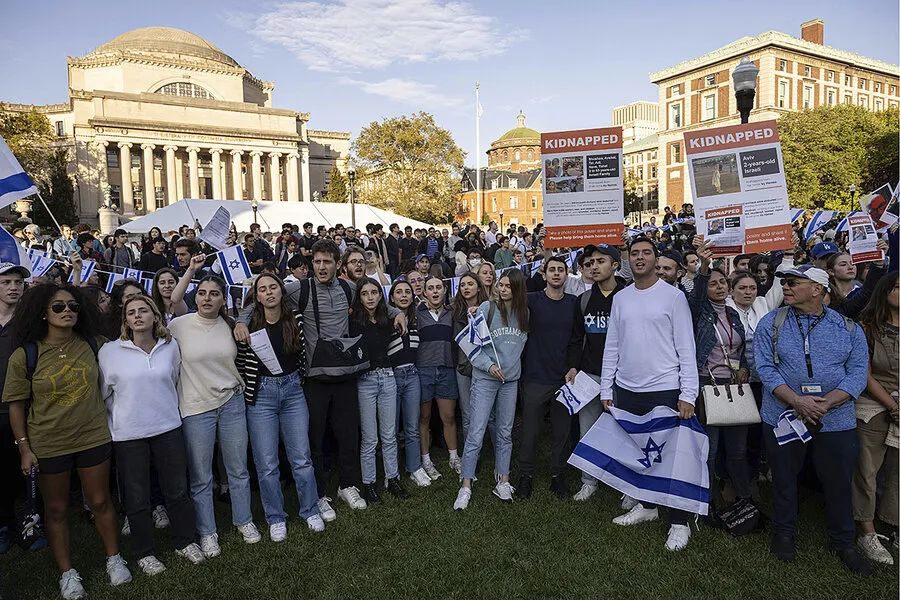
(164, 283)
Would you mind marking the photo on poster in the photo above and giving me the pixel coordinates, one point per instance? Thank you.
(573, 166)
(715, 175)
(715, 226)
(858, 233)
(558, 185)
(552, 168)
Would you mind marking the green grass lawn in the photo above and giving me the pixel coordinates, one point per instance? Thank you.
(420, 548)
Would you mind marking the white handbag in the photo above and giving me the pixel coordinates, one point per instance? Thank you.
(729, 404)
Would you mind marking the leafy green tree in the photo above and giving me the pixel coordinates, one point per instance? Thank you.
(30, 137)
(411, 166)
(337, 187)
(829, 148)
(58, 192)
(633, 200)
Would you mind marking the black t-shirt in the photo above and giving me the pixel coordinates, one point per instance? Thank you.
(376, 339)
(287, 359)
(6, 350)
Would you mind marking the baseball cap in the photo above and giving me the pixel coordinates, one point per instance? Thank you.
(10, 267)
(673, 255)
(419, 257)
(824, 249)
(810, 272)
(606, 249)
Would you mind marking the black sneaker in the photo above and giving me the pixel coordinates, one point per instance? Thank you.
(854, 561)
(396, 489)
(524, 487)
(370, 493)
(559, 487)
(783, 547)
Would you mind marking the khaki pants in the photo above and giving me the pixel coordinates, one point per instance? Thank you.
(873, 454)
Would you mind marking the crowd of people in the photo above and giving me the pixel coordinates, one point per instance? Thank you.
(154, 388)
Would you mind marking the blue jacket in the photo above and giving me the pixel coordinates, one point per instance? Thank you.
(840, 360)
(704, 315)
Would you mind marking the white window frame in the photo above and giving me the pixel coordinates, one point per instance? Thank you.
(513, 183)
(711, 79)
(513, 202)
(673, 108)
(782, 64)
(807, 71)
(783, 99)
(830, 97)
(878, 105)
(708, 110)
(808, 96)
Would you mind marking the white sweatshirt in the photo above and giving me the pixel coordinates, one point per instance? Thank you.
(140, 389)
(650, 343)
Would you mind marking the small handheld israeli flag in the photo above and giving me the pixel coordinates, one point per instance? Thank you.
(87, 269)
(454, 286)
(132, 274)
(790, 429)
(234, 265)
(473, 336)
(113, 278)
(14, 182)
(819, 219)
(40, 264)
(148, 286)
(796, 213)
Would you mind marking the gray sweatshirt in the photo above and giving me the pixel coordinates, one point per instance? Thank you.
(508, 340)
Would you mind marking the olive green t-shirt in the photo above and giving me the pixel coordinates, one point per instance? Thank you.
(66, 414)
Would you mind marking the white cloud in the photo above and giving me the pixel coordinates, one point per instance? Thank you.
(407, 91)
(351, 35)
(543, 99)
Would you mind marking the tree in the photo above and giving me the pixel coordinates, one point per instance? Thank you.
(337, 187)
(634, 201)
(58, 191)
(829, 148)
(412, 166)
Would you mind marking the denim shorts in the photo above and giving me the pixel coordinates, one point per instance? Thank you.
(438, 382)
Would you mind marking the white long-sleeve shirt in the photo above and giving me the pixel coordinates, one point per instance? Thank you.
(650, 343)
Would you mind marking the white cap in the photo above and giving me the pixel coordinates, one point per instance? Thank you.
(810, 272)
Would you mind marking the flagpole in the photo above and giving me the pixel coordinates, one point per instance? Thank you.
(47, 208)
(477, 155)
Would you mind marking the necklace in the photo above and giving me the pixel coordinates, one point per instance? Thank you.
(59, 348)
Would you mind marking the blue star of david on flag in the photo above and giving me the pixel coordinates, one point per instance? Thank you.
(650, 448)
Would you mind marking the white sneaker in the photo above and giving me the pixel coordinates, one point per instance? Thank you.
(351, 496)
(628, 502)
(431, 470)
(193, 553)
(209, 544)
(316, 523)
(325, 509)
(117, 571)
(678, 537)
(504, 491)
(462, 499)
(126, 527)
(420, 477)
(70, 587)
(873, 549)
(277, 531)
(150, 565)
(160, 517)
(250, 533)
(456, 465)
(587, 490)
(636, 515)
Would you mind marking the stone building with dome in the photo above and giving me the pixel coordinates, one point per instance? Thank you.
(159, 114)
(511, 182)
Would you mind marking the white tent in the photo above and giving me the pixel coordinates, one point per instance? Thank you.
(270, 215)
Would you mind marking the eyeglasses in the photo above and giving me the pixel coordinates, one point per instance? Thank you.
(793, 282)
(59, 307)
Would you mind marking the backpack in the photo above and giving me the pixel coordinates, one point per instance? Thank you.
(336, 359)
(31, 355)
(781, 315)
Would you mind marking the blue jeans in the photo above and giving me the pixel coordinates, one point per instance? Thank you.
(377, 394)
(408, 395)
(230, 421)
(489, 396)
(281, 407)
(464, 383)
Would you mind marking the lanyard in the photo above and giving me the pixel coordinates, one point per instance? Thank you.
(729, 333)
(809, 369)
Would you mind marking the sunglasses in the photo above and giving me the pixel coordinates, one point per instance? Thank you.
(793, 282)
(59, 307)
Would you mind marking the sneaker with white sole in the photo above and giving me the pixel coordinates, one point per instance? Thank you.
(150, 565)
(70, 587)
(456, 465)
(117, 571)
(351, 496)
(678, 537)
(193, 553)
(587, 490)
(462, 499)
(325, 509)
(504, 491)
(628, 502)
(277, 532)
(420, 477)
(160, 517)
(315, 523)
(872, 549)
(636, 515)
(431, 471)
(126, 527)
(209, 545)
(250, 533)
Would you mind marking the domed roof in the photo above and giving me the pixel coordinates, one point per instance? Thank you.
(520, 131)
(167, 41)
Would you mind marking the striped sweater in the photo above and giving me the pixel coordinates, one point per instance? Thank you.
(435, 338)
(248, 363)
(403, 349)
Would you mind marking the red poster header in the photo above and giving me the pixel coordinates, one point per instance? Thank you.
(733, 136)
(581, 140)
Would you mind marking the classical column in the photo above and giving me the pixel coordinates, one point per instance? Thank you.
(237, 178)
(194, 172)
(293, 194)
(171, 185)
(127, 191)
(102, 172)
(275, 175)
(216, 173)
(257, 174)
(149, 180)
(304, 172)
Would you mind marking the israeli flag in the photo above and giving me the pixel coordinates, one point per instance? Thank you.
(148, 286)
(536, 266)
(842, 226)
(113, 278)
(132, 274)
(819, 219)
(656, 457)
(234, 265)
(11, 251)
(87, 269)
(14, 182)
(454, 286)
(40, 264)
(473, 336)
(789, 429)
(796, 213)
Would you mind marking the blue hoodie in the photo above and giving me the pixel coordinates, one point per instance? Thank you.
(507, 339)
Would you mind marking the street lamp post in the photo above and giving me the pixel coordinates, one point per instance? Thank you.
(744, 77)
(254, 204)
(852, 189)
(501, 220)
(351, 175)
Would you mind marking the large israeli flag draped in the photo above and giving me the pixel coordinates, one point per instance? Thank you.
(234, 265)
(14, 182)
(11, 251)
(656, 457)
(819, 219)
(473, 336)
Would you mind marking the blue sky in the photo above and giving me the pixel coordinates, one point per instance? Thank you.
(349, 62)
